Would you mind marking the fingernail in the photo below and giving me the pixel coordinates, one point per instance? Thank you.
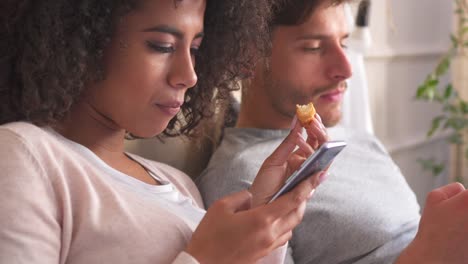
(302, 136)
(318, 124)
(293, 123)
(317, 116)
(311, 193)
(323, 176)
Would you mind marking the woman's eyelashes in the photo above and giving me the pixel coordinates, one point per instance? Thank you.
(167, 48)
(161, 48)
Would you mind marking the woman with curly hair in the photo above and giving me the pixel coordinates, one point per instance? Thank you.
(76, 78)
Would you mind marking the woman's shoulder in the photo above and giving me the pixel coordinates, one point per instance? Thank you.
(24, 149)
(42, 145)
(22, 130)
(25, 133)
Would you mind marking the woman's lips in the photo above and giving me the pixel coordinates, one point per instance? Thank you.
(170, 108)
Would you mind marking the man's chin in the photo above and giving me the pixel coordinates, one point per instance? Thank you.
(331, 120)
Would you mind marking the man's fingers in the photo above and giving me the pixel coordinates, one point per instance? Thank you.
(444, 193)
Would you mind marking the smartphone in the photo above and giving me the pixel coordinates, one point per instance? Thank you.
(316, 162)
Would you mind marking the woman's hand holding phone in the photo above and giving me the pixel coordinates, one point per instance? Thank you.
(287, 160)
(242, 228)
(316, 132)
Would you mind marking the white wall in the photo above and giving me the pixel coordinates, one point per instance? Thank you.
(408, 38)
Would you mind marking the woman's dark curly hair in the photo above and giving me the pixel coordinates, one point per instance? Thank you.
(50, 49)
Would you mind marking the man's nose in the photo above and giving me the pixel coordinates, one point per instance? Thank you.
(339, 66)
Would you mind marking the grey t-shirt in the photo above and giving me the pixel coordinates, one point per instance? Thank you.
(364, 212)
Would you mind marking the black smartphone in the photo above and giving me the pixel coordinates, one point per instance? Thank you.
(316, 162)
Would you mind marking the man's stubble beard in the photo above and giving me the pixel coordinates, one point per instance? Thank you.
(284, 102)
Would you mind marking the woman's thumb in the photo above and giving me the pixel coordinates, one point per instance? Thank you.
(239, 201)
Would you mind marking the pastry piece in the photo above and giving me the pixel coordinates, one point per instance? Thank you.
(305, 113)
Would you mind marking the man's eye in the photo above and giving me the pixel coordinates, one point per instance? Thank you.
(311, 49)
(160, 48)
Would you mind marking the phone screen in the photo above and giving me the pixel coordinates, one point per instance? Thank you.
(316, 162)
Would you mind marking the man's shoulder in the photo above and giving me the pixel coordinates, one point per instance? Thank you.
(236, 161)
(241, 147)
(360, 139)
(232, 161)
(226, 173)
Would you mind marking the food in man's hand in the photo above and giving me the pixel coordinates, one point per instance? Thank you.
(305, 113)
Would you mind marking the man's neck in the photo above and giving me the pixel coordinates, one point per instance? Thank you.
(257, 111)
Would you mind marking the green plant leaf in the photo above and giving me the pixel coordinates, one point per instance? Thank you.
(450, 108)
(430, 93)
(454, 40)
(443, 66)
(464, 29)
(448, 91)
(455, 139)
(438, 169)
(432, 82)
(432, 166)
(464, 107)
(456, 123)
(435, 125)
(421, 92)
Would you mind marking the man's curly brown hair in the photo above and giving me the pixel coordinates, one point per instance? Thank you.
(296, 12)
(50, 49)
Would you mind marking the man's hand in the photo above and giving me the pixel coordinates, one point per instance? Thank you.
(443, 231)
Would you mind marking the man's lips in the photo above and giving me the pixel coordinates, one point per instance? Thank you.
(334, 95)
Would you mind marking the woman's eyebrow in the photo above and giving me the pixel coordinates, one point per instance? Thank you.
(169, 30)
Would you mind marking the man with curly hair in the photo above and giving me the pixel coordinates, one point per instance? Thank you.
(76, 78)
(365, 212)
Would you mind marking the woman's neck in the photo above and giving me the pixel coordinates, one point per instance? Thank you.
(86, 126)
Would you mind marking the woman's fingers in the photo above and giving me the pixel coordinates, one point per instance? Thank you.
(284, 150)
(235, 202)
(290, 201)
(292, 219)
(282, 240)
(284, 221)
(317, 133)
(304, 148)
